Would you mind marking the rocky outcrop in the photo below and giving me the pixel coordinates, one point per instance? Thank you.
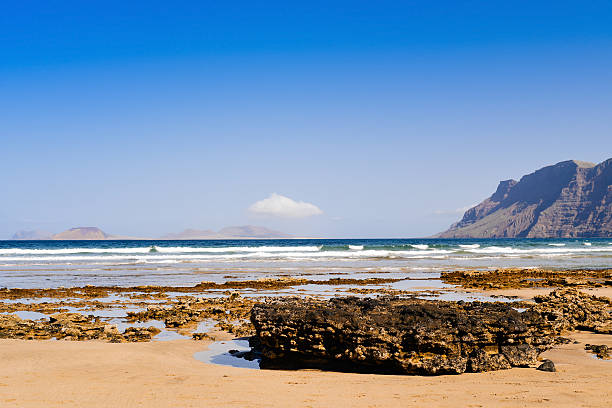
(231, 313)
(547, 365)
(600, 350)
(528, 278)
(570, 309)
(410, 336)
(397, 336)
(568, 199)
(70, 326)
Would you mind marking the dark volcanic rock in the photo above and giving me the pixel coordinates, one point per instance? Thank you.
(412, 336)
(569, 309)
(547, 365)
(568, 199)
(528, 278)
(70, 326)
(397, 336)
(600, 350)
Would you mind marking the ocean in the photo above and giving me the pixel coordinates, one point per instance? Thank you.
(37, 264)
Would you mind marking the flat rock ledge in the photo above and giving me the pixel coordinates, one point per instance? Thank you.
(411, 336)
(70, 326)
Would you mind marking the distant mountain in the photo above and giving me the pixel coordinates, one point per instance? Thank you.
(566, 200)
(191, 234)
(95, 233)
(33, 235)
(239, 232)
(252, 231)
(81, 233)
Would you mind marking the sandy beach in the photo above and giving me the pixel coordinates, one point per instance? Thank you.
(165, 374)
(108, 367)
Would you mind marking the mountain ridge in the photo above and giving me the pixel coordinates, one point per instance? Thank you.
(570, 199)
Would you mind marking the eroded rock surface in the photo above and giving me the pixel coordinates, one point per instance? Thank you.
(547, 365)
(600, 350)
(528, 278)
(411, 336)
(153, 292)
(569, 309)
(231, 313)
(70, 326)
(397, 336)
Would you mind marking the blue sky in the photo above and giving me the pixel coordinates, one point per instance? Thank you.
(389, 117)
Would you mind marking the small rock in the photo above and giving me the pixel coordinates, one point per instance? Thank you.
(547, 365)
(202, 336)
(600, 350)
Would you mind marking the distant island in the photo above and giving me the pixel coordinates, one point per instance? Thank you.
(95, 233)
(571, 199)
(78, 233)
(239, 232)
(32, 235)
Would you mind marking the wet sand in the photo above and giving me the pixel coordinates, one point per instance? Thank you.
(165, 374)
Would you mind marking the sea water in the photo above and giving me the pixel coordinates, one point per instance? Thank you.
(36, 264)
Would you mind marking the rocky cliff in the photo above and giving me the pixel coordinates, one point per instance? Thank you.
(566, 200)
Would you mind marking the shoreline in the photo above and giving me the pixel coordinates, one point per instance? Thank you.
(97, 373)
(164, 374)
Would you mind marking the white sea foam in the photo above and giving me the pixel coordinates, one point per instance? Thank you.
(311, 248)
(245, 254)
(588, 244)
(158, 249)
(557, 250)
(20, 251)
(557, 244)
(469, 246)
(371, 253)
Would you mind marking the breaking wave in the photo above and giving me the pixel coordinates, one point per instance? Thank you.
(305, 250)
(469, 246)
(156, 249)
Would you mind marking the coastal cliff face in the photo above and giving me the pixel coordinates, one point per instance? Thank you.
(570, 199)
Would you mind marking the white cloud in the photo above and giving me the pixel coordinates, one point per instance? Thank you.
(280, 206)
